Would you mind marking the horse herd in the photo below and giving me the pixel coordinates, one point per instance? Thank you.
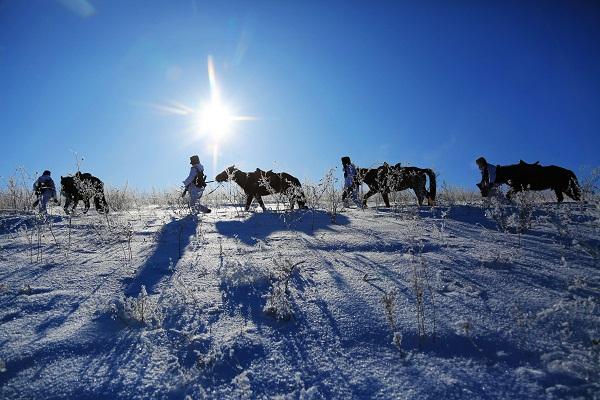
(384, 179)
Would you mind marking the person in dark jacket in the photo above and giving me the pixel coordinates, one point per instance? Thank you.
(45, 191)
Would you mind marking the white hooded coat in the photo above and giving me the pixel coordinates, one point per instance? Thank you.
(195, 191)
(349, 182)
(44, 185)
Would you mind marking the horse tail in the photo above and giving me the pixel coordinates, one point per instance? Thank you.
(432, 186)
(573, 187)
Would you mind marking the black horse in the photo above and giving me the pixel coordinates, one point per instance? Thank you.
(260, 183)
(83, 187)
(524, 176)
(386, 179)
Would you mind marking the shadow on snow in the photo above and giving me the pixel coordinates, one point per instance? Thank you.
(172, 239)
(260, 225)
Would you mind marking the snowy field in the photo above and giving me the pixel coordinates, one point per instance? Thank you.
(400, 303)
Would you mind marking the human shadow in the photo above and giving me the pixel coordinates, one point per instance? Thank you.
(260, 225)
(172, 239)
(10, 223)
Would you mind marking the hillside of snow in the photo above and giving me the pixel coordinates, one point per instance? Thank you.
(457, 301)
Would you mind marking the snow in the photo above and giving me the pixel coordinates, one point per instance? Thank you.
(151, 303)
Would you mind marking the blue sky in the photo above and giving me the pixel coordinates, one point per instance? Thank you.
(431, 84)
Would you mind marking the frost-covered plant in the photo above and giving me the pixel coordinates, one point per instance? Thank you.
(389, 302)
(590, 185)
(26, 290)
(16, 196)
(243, 274)
(421, 287)
(333, 197)
(453, 195)
(525, 202)
(279, 304)
(465, 328)
(315, 195)
(243, 389)
(496, 210)
(139, 310)
(561, 219)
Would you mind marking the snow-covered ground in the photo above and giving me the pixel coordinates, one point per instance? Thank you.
(409, 303)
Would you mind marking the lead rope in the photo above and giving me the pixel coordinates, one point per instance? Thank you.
(212, 191)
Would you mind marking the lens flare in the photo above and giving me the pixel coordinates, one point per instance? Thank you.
(215, 120)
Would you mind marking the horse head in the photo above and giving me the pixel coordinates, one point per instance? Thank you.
(226, 174)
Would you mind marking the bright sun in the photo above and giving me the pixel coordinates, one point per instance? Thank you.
(216, 120)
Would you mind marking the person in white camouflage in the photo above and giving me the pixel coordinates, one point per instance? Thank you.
(195, 184)
(45, 190)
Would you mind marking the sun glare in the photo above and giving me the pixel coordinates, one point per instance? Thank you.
(215, 120)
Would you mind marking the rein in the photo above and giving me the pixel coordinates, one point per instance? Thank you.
(218, 186)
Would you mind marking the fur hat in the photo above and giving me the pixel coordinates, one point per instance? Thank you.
(346, 160)
(46, 172)
(194, 160)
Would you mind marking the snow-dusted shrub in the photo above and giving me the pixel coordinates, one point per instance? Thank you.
(389, 302)
(449, 195)
(26, 290)
(332, 195)
(314, 195)
(590, 185)
(238, 274)
(496, 209)
(424, 295)
(521, 218)
(241, 382)
(15, 193)
(279, 304)
(465, 329)
(138, 310)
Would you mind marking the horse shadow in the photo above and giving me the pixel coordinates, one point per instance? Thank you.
(260, 225)
(172, 239)
(473, 215)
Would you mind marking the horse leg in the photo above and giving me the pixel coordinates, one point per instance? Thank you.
(86, 203)
(370, 193)
(99, 203)
(67, 202)
(301, 202)
(345, 194)
(572, 191)
(248, 201)
(104, 204)
(75, 202)
(419, 194)
(386, 199)
(511, 192)
(559, 195)
(260, 202)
